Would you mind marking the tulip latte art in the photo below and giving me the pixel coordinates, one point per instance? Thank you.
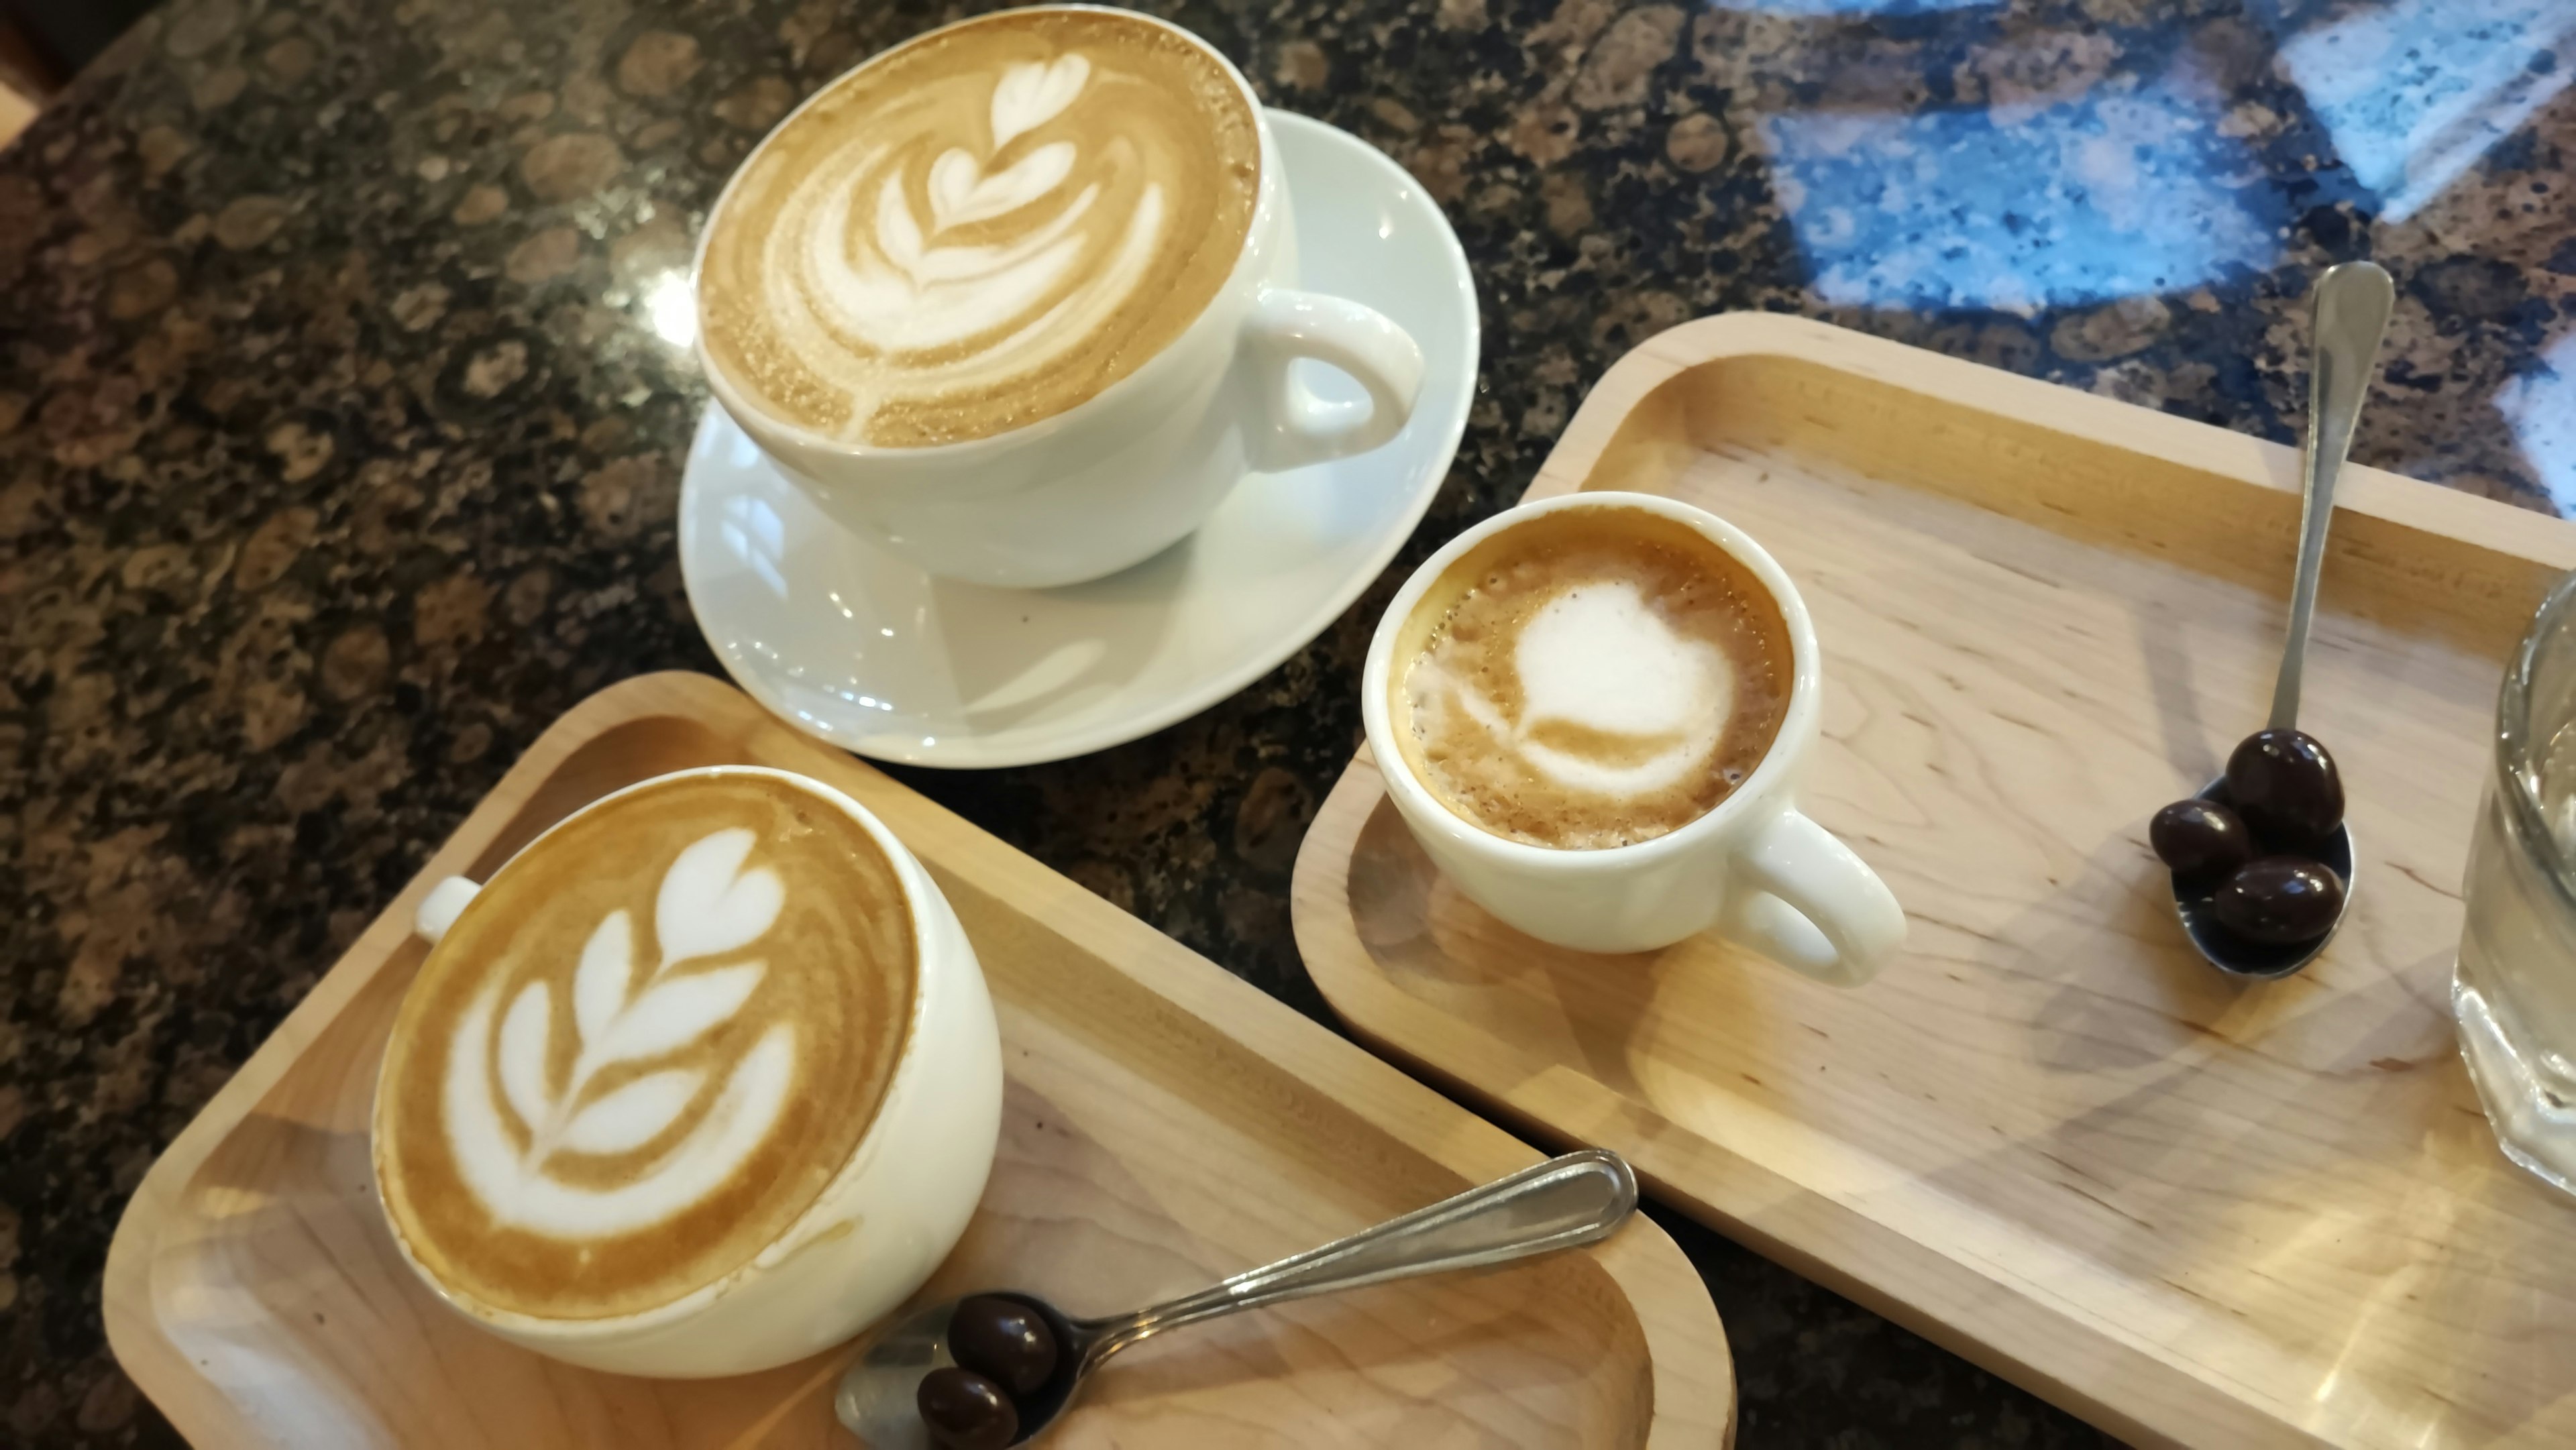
(643, 1050)
(981, 229)
(1591, 678)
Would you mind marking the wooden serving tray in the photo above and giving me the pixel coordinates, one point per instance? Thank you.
(2193, 1211)
(1164, 1124)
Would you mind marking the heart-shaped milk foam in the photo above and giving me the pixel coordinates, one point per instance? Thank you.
(961, 192)
(1030, 95)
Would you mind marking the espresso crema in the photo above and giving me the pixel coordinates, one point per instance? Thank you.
(1590, 678)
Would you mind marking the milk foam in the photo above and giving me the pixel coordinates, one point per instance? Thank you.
(1596, 656)
(708, 907)
(911, 257)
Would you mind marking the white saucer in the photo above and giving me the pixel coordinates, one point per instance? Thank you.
(864, 651)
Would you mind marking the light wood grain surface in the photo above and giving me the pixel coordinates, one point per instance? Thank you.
(1165, 1124)
(2194, 1211)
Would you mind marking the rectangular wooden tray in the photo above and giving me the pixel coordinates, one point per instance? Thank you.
(2193, 1211)
(1164, 1125)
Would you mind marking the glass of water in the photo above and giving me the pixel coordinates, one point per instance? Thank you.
(2515, 990)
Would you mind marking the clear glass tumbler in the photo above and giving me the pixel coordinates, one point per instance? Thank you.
(2515, 990)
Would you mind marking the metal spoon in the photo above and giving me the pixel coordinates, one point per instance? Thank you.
(2350, 305)
(1562, 1203)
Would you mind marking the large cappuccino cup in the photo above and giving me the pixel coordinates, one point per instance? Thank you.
(1044, 494)
(1752, 868)
(724, 1126)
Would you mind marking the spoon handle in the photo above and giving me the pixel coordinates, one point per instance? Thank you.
(2351, 304)
(1561, 1203)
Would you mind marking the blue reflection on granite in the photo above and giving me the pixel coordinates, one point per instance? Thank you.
(2540, 407)
(2119, 190)
(2414, 92)
(1882, 9)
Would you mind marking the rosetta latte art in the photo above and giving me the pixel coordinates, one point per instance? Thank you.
(646, 1048)
(921, 280)
(506, 1149)
(980, 229)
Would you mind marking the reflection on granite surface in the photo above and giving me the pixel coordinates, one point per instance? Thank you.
(344, 375)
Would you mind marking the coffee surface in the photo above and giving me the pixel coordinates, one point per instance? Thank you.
(981, 229)
(1591, 678)
(644, 1049)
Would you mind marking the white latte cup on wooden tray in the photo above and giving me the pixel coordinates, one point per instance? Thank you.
(1593, 712)
(1016, 300)
(703, 1080)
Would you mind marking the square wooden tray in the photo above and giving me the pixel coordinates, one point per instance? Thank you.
(2194, 1211)
(1164, 1125)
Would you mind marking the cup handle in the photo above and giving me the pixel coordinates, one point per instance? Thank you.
(1813, 905)
(439, 909)
(1301, 428)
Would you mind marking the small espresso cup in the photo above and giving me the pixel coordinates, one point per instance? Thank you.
(886, 1216)
(1752, 868)
(1130, 471)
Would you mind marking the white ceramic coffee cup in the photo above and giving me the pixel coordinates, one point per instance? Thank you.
(1125, 474)
(1753, 868)
(883, 1222)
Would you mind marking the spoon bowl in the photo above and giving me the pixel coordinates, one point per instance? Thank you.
(2259, 961)
(876, 1401)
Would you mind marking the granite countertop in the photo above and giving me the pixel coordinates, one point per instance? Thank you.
(339, 454)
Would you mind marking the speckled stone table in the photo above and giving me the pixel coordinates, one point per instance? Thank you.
(338, 444)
